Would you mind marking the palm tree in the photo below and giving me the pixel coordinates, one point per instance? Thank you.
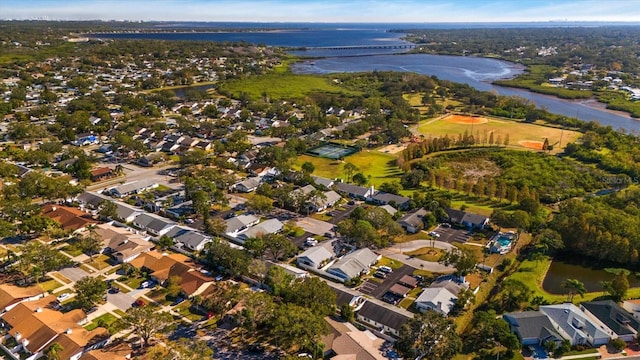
(575, 287)
(54, 351)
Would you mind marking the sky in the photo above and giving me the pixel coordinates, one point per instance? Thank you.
(331, 11)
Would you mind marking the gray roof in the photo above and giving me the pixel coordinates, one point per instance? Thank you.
(250, 183)
(124, 211)
(153, 222)
(459, 216)
(414, 218)
(388, 208)
(270, 226)
(92, 199)
(385, 198)
(353, 264)
(613, 316)
(134, 186)
(316, 254)
(566, 316)
(439, 297)
(383, 315)
(352, 189)
(239, 222)
(322, 181)
(454, 287)
(532, 325)
(331, 197)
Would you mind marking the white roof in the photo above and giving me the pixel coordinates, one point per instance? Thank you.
(438, 297)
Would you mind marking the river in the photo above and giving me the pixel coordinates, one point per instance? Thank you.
(477, 72)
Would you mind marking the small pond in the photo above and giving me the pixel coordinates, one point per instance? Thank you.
(561, 271)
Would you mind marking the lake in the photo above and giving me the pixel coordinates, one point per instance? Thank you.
(560, 271)
(477, 72)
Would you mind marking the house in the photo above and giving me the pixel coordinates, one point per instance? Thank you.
(114, 351)
(573, 324)
(127, 213)
(164, 266)
(34, 325)
(321, 203)
(353, 264)
(247, 185)
(384, 319)
(101, 173)
(383, 198)
(408, 281)
(85, 139)
(633, 307)
(322, 182)
(270, 226)
(91, 200)
(180, 210)
(354, 191)
(532, 327)
(412, 221)
(134, 187)
(11, 295)
(345, 341)
(390, 209)
(467, 219)
(315, 257)
(237, 224)
(399, 290)
(293, 271)
(71, 219)
(614, 317)
(153, 224)
(346, 297)
(123, 245)
(189, 238)
(440, 300)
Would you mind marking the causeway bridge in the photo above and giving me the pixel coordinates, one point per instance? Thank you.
(361, 47)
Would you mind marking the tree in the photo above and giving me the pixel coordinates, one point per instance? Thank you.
(278, 280)
(549, 241)
(90, 243)
(260, 203)
(463, 260)
(574, 287)
(513, 295)
(618, 344)
(296, 325)
(38, 258)
(360, 179)
(308, 168)
(347, 313)
(428, 335)
(147, 322)
(492, 336)
(619, 286)
(89, 292)
(349, 170)
(54, 351)
(277, 247)
(215, 226)
(172, 287)
(165, 242)
(108, 210)
(313, 293)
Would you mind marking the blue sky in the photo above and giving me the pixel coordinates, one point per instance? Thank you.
(325, 11)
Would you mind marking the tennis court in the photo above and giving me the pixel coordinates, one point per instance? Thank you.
(333, 151)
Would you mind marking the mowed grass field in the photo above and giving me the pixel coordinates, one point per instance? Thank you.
(378, 167)
(520, 134)
(282, 85)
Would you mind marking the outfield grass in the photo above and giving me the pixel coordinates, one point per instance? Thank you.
(378, 167)
(517, 131)
(282, 85)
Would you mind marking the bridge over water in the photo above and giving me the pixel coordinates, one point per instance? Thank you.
(360, 47)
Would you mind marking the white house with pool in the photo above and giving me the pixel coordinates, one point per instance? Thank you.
(502, 242)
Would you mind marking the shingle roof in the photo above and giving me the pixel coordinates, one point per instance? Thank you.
(270, 226)
(613, 316)
(532, 324)
(70, 218)
(383, 315)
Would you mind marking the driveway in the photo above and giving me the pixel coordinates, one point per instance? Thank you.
(339, 215)
(450, 235)
(73, 273)
(121, 300)
(391, 280)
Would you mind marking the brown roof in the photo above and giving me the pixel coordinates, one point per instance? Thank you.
(70, 218)
(73, 343)
(165, 266)
(408, 280)
(121, 241)
(350, 343)
(101, 171)
(10, 294)
(117, 351)
(399, 289)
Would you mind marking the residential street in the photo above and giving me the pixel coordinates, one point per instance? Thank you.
(397, 251)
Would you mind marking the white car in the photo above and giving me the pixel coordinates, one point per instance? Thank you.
(434, 234)
(63, 297)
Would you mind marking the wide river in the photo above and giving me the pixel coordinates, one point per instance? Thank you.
(477, 72)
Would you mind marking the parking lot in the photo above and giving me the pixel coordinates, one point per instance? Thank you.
(378, 290)
(450, 234)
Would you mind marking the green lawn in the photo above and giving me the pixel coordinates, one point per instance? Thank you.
(378, 167)
(106, 319)
(133, 283)
(50, 285)
(427, 254)
(99, 262)
(72, 250)
(185, 310)
(385, 261)
(281, 85)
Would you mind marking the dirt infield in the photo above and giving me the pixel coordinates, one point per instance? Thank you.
(393, 148)
(531, 144)
(464, 119)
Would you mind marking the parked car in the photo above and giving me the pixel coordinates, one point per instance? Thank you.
(380, 275)
(385, 269)
(114, 290)
(63, 297)
(445, 225)
(147, 284)
(434, 234)
(139, 303)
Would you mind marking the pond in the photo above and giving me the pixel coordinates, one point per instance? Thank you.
(182, 91)
(561, 271)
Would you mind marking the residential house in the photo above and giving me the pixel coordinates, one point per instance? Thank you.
(126, 212)
(192, 240)
(122, 244)
(270, 226)
(383, 198)
(412, 222)
(355, 191)
(532, 327)
(164, 266)
(390, 209)
(293, 271)
(467, 219)
(115, 351)
(91, 201)
(353, 264)
(408, 281)
(11, 295)
(633, 307)
(153, 224)
(347, 297)
(324, 202)
(384, 319)
(399, 290)
(614, 317)
(101, 173)
(322, 182)
(85, 139)
(71, 219)
(34, 325)
(180, 210)
(315, 257)
(237, 224)
(247, 185)
(440, 300)
(345, 341)
(574, 325)
(134, 187)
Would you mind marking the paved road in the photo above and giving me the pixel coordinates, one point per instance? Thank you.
(379, 290)
(339, 215)
(419, 244)
(396, 252)
(450, 234)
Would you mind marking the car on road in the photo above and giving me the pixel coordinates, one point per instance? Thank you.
(434, 234)
(63, 297)
(351, 202)
(391, 299)
(114, 290)
(177, 301)
(380, 274)
(189, 221)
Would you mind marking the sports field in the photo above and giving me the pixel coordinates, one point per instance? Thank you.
(524, 135)
(333, 151)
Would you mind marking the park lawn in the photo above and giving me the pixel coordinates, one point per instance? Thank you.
(282, 85)
(517, 131)
(427, 254)
(378, 167)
